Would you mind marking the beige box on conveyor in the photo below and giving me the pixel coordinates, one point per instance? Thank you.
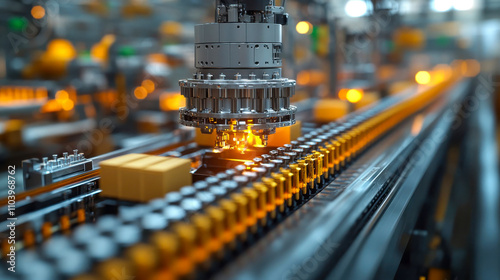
(171, 175)
(110, 180)
(141, 178)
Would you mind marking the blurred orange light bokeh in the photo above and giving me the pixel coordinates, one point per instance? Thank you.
(172, 101)
(148, 85)
(304, 27)
(68, 105)
(140, 93)
(423, 77)
(354, 95)
(38, 12)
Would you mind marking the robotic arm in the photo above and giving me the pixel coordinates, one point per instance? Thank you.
(238, 90)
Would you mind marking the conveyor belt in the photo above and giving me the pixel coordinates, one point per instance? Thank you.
(208, 240)
(357, 219)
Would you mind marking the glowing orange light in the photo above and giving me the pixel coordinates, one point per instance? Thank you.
(68, 105)
(148, 85)
(3, 96)
(100, 50)
(343, 94)
(24, 93)
(241, 141)
(41, 93)
(423, 77)
(310, 77)
(354, 95)
(254, 140)
(51, 106)
(38, 12)
(17, 93)
(172, 101)
(317, 77)
(304, 27)
(61, 49)
(31, 93)
(62, 95)
(303, 78)
(140, 93)
(443, 72)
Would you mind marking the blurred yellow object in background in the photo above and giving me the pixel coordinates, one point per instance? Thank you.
(328, 110)
(100, 51)
(311, 78)
(52, 64)
(171, 28)
(409, 38)
(136, 8)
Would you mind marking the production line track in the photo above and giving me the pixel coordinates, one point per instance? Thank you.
(239, 215)
(362, 219)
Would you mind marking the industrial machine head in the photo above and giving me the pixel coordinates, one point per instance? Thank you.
(238, 90)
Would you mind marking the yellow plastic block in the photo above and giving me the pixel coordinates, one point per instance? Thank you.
(368, 99)
(110, 178)
(205, 139)
(328, 110)
(131, 175)
(167, 176)
(284, 135)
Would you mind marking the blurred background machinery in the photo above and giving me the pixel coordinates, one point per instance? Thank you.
(234, 139)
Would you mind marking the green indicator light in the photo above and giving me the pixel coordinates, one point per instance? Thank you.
(126, 51)
(17, 24)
